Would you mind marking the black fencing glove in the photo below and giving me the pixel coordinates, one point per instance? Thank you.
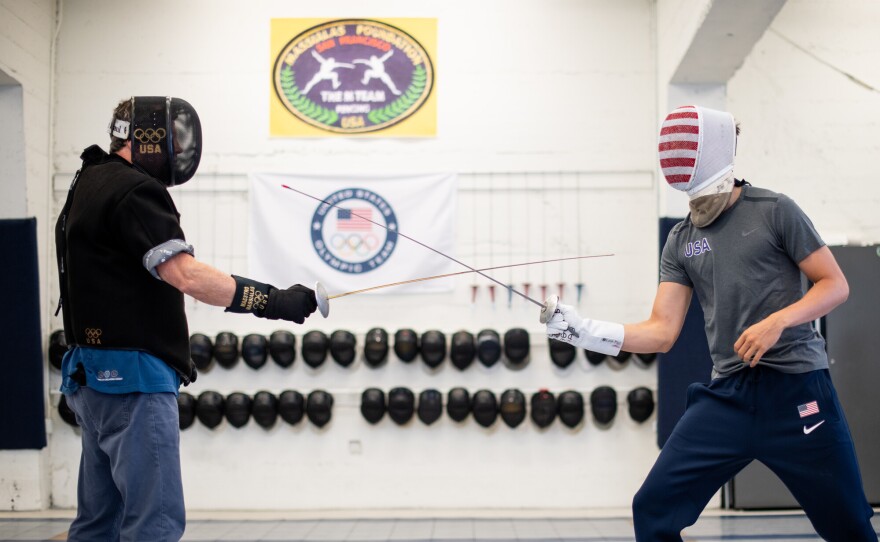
(267, 301)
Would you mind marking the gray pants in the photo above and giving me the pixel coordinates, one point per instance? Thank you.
(129, 474)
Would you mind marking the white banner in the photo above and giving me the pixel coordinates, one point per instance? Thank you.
(296, 239)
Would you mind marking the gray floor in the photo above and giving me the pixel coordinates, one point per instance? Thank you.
(775, 528)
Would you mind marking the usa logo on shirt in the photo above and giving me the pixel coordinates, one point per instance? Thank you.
(695, 248)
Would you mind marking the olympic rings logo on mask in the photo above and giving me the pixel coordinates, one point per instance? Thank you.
(149, 135)
(354, 244)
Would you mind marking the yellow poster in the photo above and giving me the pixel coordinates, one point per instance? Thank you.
(347, 77)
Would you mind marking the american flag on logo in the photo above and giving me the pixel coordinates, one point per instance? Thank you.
(354, 219)
(808, 409)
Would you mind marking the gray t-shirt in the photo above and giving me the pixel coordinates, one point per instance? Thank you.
(743, 267)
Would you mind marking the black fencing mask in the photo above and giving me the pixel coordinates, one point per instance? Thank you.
(488, 347)
(376, 347)
(186, 409)
(314, 348)
(433, 347)
(57, 348)
(282, 347)
(543, 410)
(570, 406)
(254, 350)
(291, 406)
(640, 402)
(458, 404)
(644, 360)
(342, 347)
(485, 407)
(462, 350)
(430, 406)
(406, 344)
(265, 409)
(512, 407)
(319, 407)
(618, 362)
(165, 135)
(238, 409)
(209, 408)
(201, 350)
(226, 349)
(401, 405)
(516, 347)
(373, 405)
(65, 412)
(561, 354)
(603, 403)
(594, 358)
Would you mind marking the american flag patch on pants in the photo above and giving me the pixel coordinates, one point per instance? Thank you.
(808, 409)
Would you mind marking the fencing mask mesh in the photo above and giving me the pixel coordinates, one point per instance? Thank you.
(696, 150)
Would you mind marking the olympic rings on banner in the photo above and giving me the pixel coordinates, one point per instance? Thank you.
(354, 243)
(149, 135)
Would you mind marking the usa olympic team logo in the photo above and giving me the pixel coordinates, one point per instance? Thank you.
(347, 231)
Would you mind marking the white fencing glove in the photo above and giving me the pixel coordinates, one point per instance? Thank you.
(566, 325)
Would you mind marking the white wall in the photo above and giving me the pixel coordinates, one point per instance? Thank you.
(546, 111)
(807, 101)
(25, 58)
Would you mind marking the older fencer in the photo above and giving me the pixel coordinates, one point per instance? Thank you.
(124, 266)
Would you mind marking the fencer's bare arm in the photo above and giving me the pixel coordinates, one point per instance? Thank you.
(829, 290)
(198, 280)
(659, 332)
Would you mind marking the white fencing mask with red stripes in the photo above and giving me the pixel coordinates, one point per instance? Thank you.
(697, 146)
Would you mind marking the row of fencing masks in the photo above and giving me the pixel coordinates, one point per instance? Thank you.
(211, 408)
(696, 151)
(165, 135)
(401, 405)
(255, 349)
(620, 360)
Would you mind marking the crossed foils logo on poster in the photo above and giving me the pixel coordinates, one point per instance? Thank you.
(351, 76)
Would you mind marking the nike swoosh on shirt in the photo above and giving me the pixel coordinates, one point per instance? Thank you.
(808, 430)
(745, 233)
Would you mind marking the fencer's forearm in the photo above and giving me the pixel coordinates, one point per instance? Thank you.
(648, 337)
(198, 280)
(820, 299)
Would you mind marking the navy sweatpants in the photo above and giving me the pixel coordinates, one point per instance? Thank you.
(755, 414)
